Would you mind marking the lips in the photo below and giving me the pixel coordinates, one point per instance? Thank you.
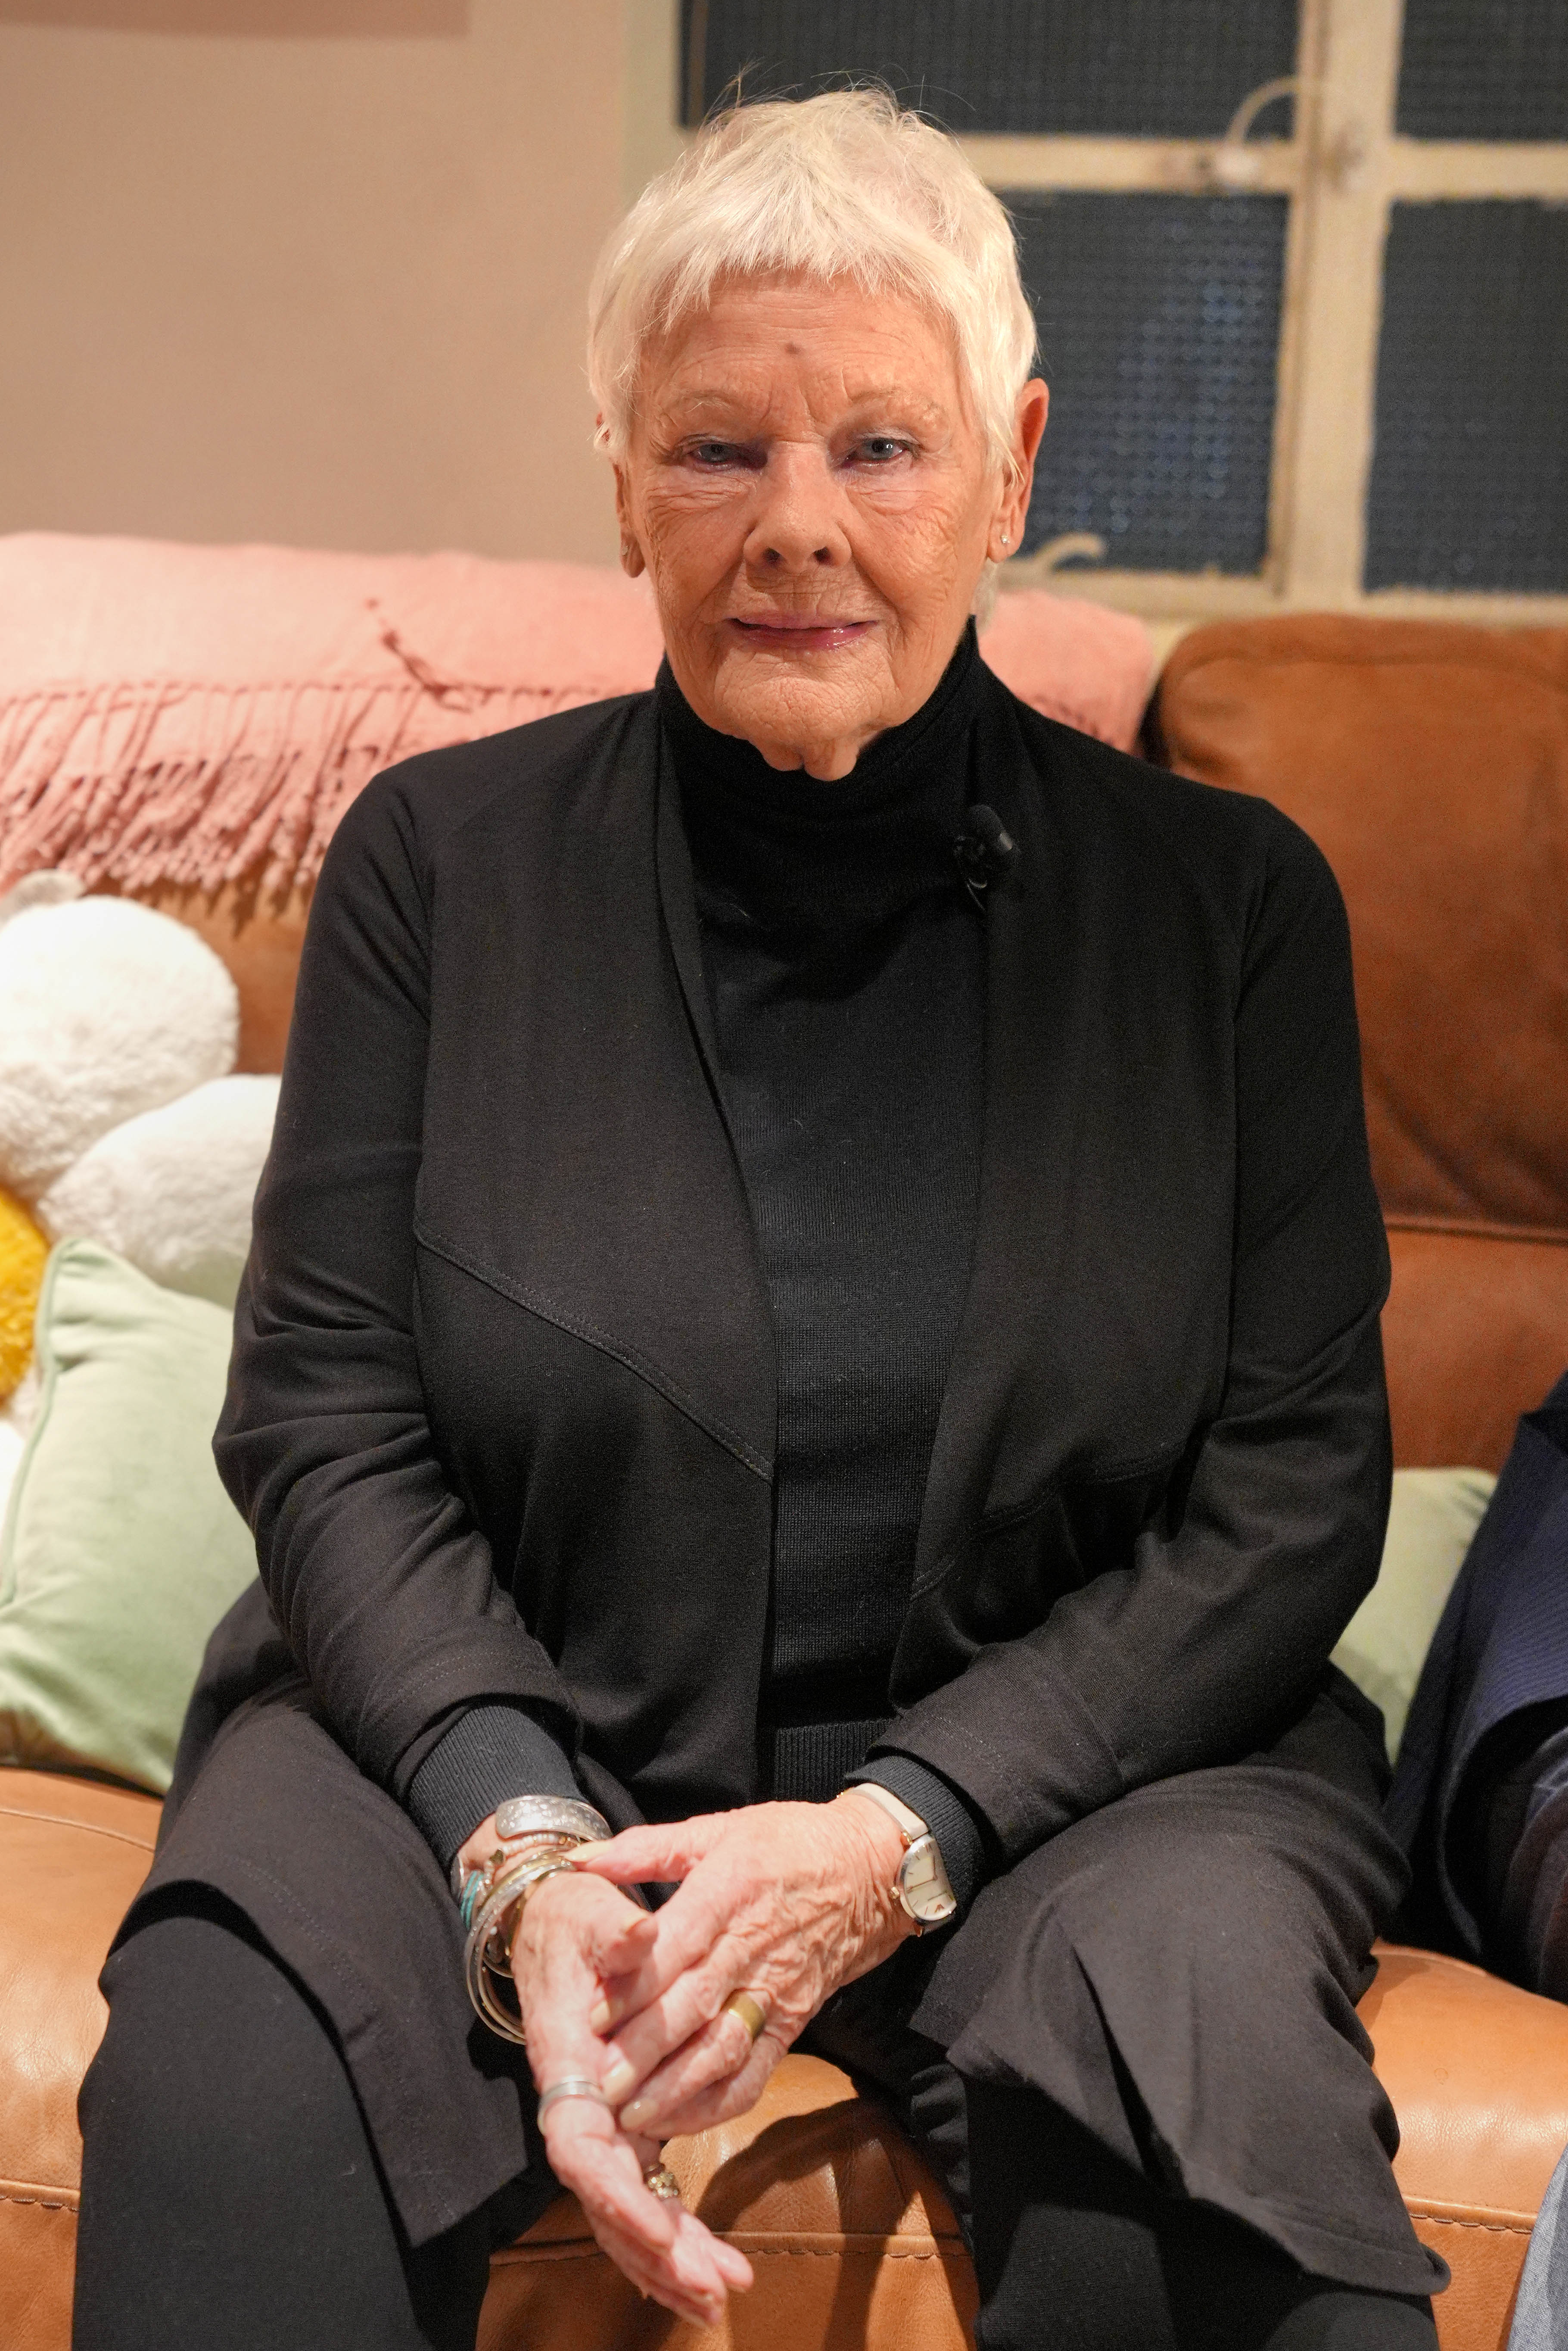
(801, 631)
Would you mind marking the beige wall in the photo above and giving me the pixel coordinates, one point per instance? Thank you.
(325, 288)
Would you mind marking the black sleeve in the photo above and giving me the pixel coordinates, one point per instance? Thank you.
(1506, 1845)
(1529, 1931)
(1273, 1534)
(486, 1754)
(369, 1558)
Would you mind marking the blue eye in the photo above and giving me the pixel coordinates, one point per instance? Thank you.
(882, 448)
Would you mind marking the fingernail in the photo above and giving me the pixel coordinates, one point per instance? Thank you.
(619, 2081)
(634, 2115)
(601, 2018)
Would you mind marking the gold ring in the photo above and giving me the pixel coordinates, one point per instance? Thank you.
(749, 2010)
(660, 2181)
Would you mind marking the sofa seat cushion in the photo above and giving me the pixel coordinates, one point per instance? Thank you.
(72, 1854)
(854, 2244)
(71, 1857)
(1477, 2071)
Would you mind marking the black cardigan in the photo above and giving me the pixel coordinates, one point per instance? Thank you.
(845, 963)
(502, 1408)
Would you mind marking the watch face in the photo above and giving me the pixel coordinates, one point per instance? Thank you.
(933, 1904)
(923, 1885)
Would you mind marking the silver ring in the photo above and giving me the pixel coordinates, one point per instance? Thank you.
(574, 2085)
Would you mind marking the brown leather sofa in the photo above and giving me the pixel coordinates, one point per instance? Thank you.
(1431, 763)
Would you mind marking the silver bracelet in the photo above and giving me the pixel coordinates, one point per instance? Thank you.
(552, 1815)
(560, 1817)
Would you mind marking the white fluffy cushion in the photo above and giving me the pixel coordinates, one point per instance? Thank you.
(107, 1009)
(171, 1190)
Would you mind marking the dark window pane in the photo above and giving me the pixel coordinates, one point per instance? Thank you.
(1175, 69)
(1484, 69)
(1159, 329)
(1470, 473)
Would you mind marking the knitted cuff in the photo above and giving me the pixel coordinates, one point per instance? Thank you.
(490, 1753)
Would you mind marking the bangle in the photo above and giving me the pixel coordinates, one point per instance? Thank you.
(554, 1815)
(509, 1897)
(481, 1877)
(497, 1920)
(561, 1819)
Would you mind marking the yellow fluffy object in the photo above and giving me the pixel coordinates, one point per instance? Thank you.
(23, 1251)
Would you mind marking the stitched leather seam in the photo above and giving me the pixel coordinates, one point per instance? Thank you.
(517, 2257)
(48, 2199)
(1278, 657)
(1491, 2228)
(1475, 1228)
(576, 1327)
(842, 2252)
(89, 1828)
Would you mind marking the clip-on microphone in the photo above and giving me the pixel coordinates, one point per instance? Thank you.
(986, 851)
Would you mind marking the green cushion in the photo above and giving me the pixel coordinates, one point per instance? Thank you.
(1433, 1516)
(121, 1550)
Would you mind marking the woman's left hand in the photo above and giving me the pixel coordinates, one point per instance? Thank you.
(785, 1901)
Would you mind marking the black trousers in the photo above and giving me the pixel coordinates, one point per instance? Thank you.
(230, 2193)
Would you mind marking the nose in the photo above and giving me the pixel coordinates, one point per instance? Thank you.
(798, 525)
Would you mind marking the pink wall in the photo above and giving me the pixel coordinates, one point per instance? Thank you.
(319, 286)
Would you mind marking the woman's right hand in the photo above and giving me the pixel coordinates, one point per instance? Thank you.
(578, 1936)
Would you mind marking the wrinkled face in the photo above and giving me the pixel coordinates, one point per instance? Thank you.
(810, 490)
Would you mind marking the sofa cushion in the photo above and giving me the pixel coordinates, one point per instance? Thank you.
(854, 2245)
(119, 1549)
(851, 2240)
(1432, 1517)
(72, 1856)
(1475, 1333)
(1430, 763)
(1477, 2072)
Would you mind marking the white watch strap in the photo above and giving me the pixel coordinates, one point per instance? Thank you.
(922, 1884)
(910, 1822)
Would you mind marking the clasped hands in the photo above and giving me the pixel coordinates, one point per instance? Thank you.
(785, 1901)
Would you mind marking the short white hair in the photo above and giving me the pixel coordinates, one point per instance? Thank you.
(847, 185)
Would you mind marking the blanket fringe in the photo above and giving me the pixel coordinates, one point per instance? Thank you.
(102, 781)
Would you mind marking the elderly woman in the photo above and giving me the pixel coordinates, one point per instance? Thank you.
(814, 1306)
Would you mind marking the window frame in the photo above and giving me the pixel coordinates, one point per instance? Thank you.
(1343, 168)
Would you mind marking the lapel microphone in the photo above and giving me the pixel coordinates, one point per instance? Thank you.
(986, 851)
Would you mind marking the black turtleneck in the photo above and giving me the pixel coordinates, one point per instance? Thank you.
(844, 964)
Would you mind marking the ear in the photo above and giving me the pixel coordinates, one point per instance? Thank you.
(631, 556)
(1007, 523)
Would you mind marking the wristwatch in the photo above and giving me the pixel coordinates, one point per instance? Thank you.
(921, 1885)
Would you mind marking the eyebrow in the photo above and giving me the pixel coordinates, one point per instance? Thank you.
(881, 395)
